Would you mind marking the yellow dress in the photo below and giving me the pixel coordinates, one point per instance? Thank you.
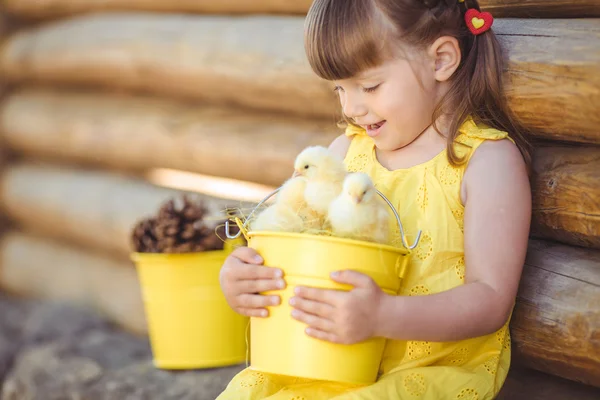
(427, 197)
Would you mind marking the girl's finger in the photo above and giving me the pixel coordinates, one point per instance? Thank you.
(257, 301)
(316, 294)
(322, 335)
(254, 312)
(250, 271)
(313, 321)
(319, 309)
(259, 285)
(247, 255)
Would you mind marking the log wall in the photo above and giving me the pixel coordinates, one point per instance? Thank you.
(499, 8)
(553, 72)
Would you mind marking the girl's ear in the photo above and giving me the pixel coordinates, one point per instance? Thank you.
(445, 52)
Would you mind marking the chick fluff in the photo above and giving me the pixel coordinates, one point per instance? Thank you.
(324, 173)
(358, 212)
(286, 213)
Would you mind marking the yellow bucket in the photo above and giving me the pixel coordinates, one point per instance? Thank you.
(279, 344)
(190, 324)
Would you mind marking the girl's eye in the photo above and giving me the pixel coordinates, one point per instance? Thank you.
(370, 89)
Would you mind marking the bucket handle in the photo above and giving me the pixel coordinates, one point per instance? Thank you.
(243, 229)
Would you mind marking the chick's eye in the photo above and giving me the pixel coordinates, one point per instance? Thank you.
(306, 167)
(365, 192)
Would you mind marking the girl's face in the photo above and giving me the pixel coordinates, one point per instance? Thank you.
(393, 102)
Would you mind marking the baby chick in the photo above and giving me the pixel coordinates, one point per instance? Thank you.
(285, 214)
(324, 174)
(358, 212)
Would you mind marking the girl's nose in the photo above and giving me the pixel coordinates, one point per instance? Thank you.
(353, 107)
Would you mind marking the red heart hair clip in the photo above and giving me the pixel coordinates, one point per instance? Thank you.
(478, 22)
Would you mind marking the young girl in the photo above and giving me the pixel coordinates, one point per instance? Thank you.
(420, 84)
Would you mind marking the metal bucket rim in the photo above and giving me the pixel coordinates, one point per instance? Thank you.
(331, 239)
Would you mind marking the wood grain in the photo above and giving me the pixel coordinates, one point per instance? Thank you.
(60, 8)
(556, 322)
(542, 8)
(143, 133)
(500, 8)
(553, 80)
(566, 195)
(93, 209)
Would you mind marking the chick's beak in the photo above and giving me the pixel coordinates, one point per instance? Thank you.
(357, 199)
(296, 173)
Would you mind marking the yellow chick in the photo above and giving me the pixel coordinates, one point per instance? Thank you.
(285, 214)
(324, 173)
(358, 212)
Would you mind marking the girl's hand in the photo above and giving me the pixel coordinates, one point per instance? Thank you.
(242, 277)
(340, 316)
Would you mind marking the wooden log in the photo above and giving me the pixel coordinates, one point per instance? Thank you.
(133, 132)
(32, 266)
(542, 8)
(257, 61)
(553, 80)
(59, 8)
(566, 195)
(500, 8)
(527, 384)
(556, 322)
(260, 62)
(88, 208)
(143, 133)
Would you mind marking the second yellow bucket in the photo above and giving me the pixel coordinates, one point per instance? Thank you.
(279, 343)
(190, 324)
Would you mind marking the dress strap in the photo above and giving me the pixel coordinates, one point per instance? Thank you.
(352, 130)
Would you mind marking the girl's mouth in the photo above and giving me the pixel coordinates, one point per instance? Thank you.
(374, 129)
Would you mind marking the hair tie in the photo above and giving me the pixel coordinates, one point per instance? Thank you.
(478, 22)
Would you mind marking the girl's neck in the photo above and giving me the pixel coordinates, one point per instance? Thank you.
(424, 148)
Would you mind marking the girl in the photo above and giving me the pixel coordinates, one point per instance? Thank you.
(420, 86)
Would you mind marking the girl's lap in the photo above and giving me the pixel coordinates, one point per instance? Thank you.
(424, 383)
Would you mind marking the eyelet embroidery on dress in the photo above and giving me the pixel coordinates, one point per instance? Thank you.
(415, 384)
(419, 290)
(501, 334)
(423, 197)
(459, 216)
(358, 163)
(255, 379)
(507, 341)
(468, 394)
(491, 365)
(449, 175)
(459, 268)
(417, 350)
(425, 247)
(458, 356)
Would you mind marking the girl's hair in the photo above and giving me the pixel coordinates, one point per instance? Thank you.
(346, 37)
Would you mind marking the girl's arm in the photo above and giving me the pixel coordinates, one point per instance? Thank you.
(497, 199)
(340, 146)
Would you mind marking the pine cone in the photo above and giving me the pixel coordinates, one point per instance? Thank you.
(179, 227)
